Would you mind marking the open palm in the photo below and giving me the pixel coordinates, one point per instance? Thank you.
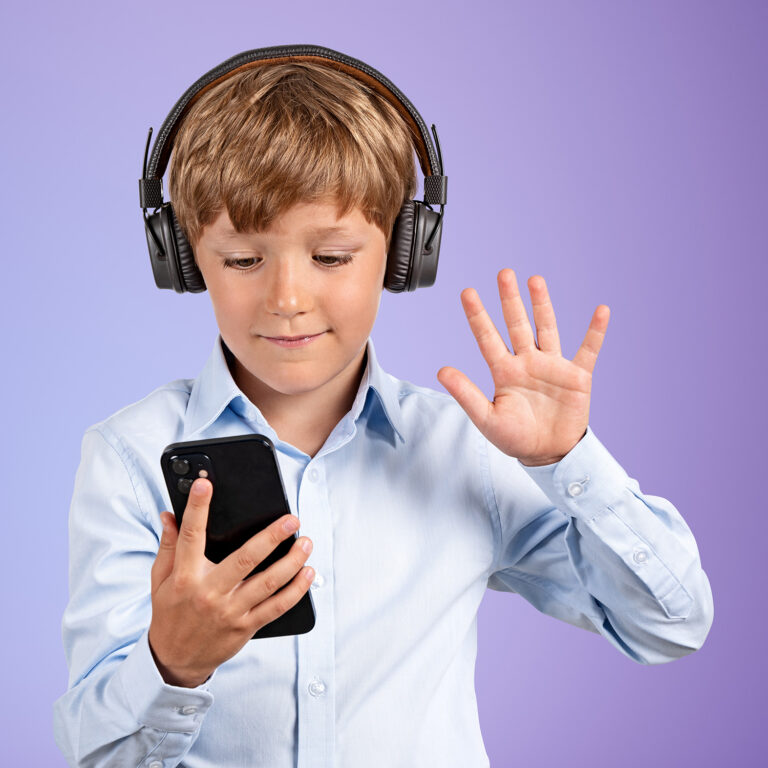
(540, 409)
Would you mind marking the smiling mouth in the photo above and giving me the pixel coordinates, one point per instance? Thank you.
(294, 338)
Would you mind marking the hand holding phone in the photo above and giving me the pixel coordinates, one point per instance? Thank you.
(203, 613)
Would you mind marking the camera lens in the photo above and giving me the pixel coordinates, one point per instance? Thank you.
(180, 466)
(184, 485)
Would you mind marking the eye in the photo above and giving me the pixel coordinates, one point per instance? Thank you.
(247, 263)
(336, 261)
(241, 264)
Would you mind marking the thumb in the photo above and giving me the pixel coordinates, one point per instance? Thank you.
(163, 565)
(467, 394)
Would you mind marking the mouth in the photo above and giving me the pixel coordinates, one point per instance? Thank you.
(294, 338)
(294, 341)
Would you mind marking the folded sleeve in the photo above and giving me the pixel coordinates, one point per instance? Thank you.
(117, 710)
(580, 542)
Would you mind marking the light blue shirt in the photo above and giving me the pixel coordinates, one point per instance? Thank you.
(413, 514)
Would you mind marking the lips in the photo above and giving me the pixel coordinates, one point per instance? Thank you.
(294, 342)
(295, 338)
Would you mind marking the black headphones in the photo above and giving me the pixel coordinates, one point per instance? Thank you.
(415, 243)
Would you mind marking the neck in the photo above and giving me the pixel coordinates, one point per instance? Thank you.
(304, 419)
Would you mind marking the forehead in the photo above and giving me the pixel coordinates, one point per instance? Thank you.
(308, 219)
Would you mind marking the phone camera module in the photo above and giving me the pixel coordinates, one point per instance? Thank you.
(180, 466)
(184, 484)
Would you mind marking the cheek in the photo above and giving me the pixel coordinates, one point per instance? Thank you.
(366, 288)
(356, 316)
(358, 298)
(230, 303)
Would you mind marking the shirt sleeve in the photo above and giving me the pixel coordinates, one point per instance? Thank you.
(117, 710)
(580, 542)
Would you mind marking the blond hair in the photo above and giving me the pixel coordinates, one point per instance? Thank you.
(271, 136)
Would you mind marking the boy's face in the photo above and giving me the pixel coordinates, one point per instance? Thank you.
(298, 278)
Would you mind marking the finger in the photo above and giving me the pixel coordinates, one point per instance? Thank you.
(515, 316)
(264, 584)
(163, 565)
(283, 601)
(467, 394)
(238, 564)
(586, 357)
(492, 346)
(190, 548)
(544, 316)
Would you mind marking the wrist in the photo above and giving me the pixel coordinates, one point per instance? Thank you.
(543, 462)
(540, 462)
(178, 677)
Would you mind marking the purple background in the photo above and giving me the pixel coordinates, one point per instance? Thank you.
(618, 149)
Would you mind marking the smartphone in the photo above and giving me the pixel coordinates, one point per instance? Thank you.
(248, 495)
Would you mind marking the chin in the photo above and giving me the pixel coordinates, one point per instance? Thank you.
(293, 382)
(292, 386)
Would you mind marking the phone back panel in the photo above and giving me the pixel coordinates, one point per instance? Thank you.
(248, 495)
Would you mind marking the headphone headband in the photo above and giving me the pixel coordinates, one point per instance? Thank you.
(435, 183)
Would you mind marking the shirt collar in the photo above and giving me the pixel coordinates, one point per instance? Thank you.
(215, 389)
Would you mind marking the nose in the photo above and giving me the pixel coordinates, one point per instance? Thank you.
(288, 290)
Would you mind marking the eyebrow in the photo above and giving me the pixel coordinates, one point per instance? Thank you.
(329, 230)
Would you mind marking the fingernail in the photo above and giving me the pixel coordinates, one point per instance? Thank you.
(306, 545)
(199, 487)
(291, 524)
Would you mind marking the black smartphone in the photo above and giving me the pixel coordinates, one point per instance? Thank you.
(248, 495)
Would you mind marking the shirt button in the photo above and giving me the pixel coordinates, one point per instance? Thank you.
(317, 687)
(155, 764)
(577, 488)
(313, 474)
(188, 710)
(640, 556)
(318, 582)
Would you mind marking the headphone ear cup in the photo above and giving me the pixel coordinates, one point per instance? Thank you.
(424, 267)
(165, 262)
(400, 248)
(191, 277)
(409, 265)
(163, 259)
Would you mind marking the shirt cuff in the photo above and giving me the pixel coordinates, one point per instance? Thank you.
(155, 703)
(585, 481)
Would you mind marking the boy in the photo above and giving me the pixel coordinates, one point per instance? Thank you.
(286, 180)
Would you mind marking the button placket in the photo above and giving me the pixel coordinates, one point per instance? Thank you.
(316, 649)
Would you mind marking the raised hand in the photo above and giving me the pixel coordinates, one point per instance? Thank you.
(540, 409)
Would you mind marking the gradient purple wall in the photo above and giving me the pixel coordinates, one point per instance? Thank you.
(617, 148)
